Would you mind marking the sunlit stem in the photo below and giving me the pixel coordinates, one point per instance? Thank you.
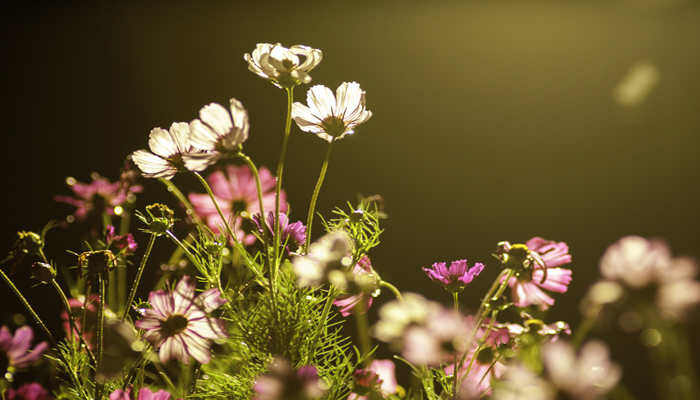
(314, 197)
(216, 204)
(280, 171)
(121, 272)
(71, 321)
(392, 288)
(27, 306)
(360, 312)
(258, 187)
(100, 334)
(324, 315)
(585, 327)
(455, 300)
(139, 273)
(181, 197)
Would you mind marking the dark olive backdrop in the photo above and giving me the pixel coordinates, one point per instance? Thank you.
(492, 121)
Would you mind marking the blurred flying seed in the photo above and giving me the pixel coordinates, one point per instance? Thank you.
(636, 85)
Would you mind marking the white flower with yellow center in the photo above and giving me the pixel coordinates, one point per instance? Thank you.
(219, 130)
(332, 117)
(283, 66)
(170, 152)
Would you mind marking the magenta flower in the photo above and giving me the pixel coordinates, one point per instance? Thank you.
(346, 303)
(527, 287)
(380, 377)
(143, 394)
(16, 350)
(291, 234)
(236, 193)
(454, 277)
(98, 196)
(178, 322)
(124, 243)
(29, 391)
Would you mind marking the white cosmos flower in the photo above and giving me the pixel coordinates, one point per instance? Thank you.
(281, 65)
(219, 131)
(329, 116)
(170, 151)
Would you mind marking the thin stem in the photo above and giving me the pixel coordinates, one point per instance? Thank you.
(181, 197)
(121, 272)
(455, 300)
(73, 326)
(216, 204)
(392, 288)
(100, 334)
(314, 197)
(139, 273)
(26, 305)
(258, 187)
(324, 315)
(360, 312)
(280, 171)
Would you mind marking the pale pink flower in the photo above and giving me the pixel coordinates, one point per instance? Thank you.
(444, 333)
(178, 322)
(346, 303)
(99, 196)
(679, 291)
(17, 349)
(380, 377)
(29, 391)
(282, 382)
(527, 287)
(143, 394)
(519, 383)
(236, 194)
(635, 260)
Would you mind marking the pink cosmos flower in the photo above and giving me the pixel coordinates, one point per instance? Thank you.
(380, 377)
(178, 322)
(236, 193)
(77, 305)
(124, 243)
(16, 349)
(143, 394)
(98, 196)
(527, 288)
(443, 334)
(456, 276)
(635, 260)
(346, 303)
(293, 234)
(29, 391)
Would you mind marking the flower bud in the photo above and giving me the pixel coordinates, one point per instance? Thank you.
(159, 219)
(97, 262)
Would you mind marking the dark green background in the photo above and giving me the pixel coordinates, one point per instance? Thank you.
(492, 120)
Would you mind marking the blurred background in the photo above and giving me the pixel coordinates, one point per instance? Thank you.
(577, 121)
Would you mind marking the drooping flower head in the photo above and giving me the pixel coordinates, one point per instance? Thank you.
(536, 264)
(293, 235)
(378, 378)
(171, 151)
(178, 322)
(99, 196)
(143, 394)
(29, 391)
(237, 196)
(16, 351)
(283, 66)
(283, 382)
(346, 303)
(332, 117)
(586, 376)
(454, 277)
(220, 131)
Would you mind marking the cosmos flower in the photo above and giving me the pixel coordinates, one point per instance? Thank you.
(332, 117)
(543, 273)
(346, 303)
(282, 66)
(292, 234)
(330, 253)
(587, 376)
(436, 341)
(635, 261)
(679, 291)
(143, 394)
(520, 383)
(282, 382)
(171, 151)
(379, 377)
(29, 391)
(454, 277)
(16, 350)
(124, 243)
(218, 130)
(78, 306)
(99, 196)
(178, 322)
(236, 193)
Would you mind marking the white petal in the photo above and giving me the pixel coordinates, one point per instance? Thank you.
(217, 118)
(312, 56)
(280, 54)
(183, 296)
(240, 118)
(202, 137)
(180, 132)
(348, 97)
(321, 101)
(305, 119)
(161, 143)
(153, 166)
(197, 347)
(200, 161)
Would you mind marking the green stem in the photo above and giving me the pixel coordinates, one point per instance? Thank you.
(455, 300)
(181, 197)
(121, 272)
(258, 187)
(324, 316)
(100, 334)
(216, 204)
(73, 327)
(26, 305)
(280, 171)
(139, 273)
(392, 288)
(360, 312)
(314, 197)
